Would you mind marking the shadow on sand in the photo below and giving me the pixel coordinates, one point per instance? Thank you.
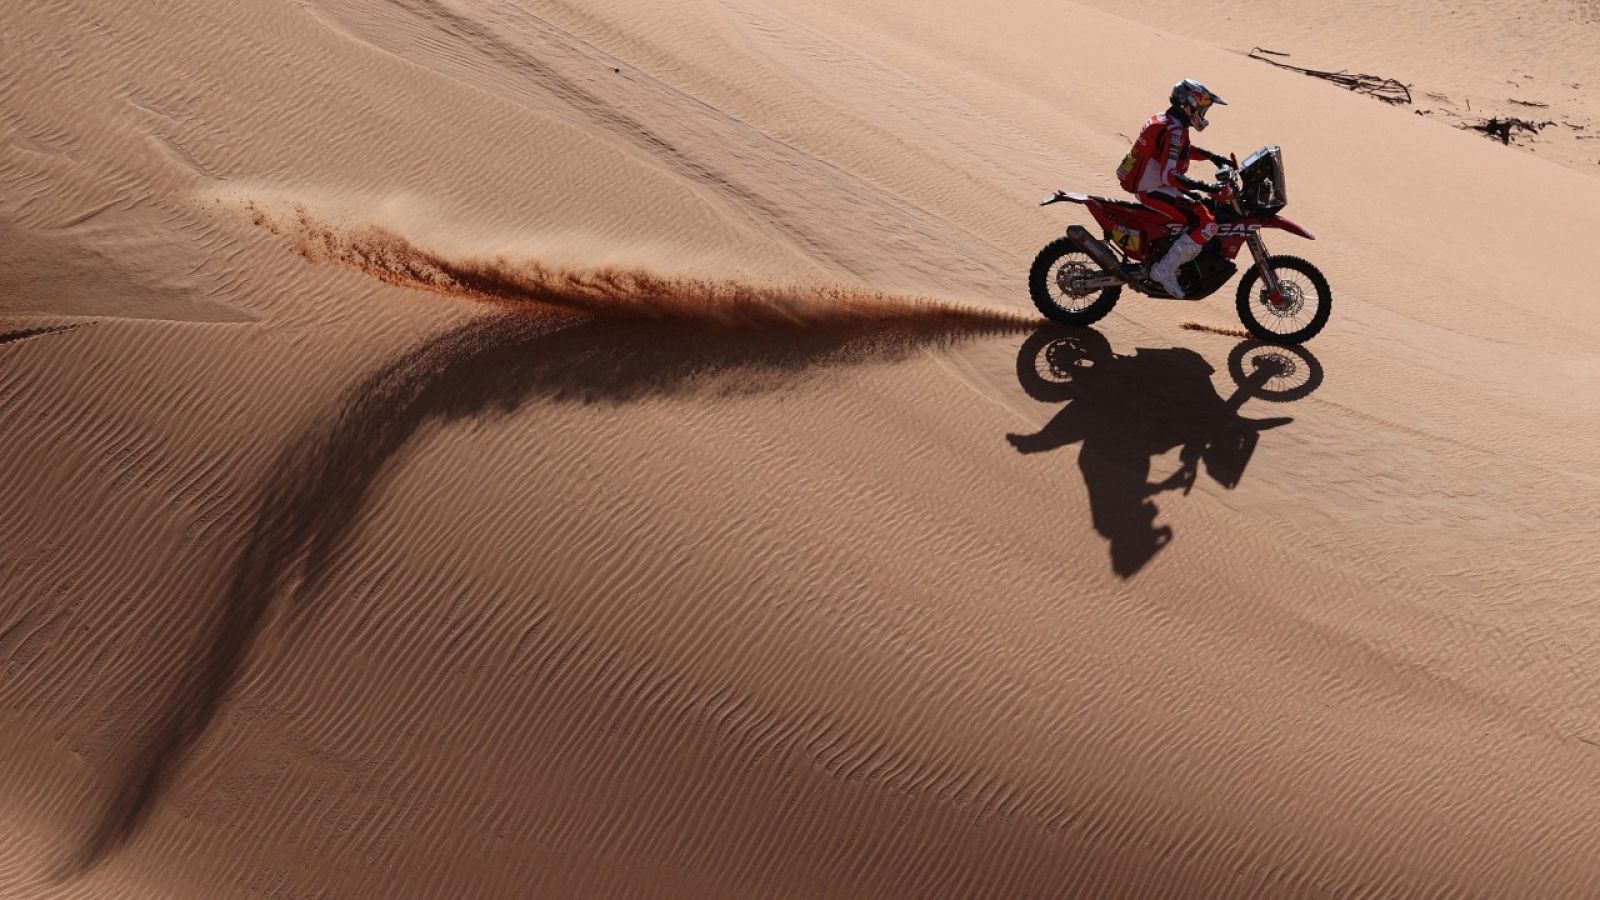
(1127, 410)
(488, 366)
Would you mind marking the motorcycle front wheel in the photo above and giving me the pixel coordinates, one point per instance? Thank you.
(1050, 284)
(1297, 314)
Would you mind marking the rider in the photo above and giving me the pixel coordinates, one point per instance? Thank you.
(1155, 172)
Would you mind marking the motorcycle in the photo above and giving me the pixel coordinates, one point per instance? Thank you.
(1077, 279)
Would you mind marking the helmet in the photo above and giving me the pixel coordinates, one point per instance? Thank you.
(1194, 98)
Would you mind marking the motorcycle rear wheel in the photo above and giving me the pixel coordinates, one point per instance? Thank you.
(1306, 305)
(1054, 264)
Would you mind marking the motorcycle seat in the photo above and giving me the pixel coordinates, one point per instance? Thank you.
(1126, 204)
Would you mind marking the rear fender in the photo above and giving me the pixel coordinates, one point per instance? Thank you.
(1065, 197)
(1096, 208)
(1102, 216)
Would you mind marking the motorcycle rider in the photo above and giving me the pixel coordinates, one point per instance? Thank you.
(1155, 171)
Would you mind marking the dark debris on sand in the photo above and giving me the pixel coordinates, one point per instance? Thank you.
(1388, 90)
(1505, 127)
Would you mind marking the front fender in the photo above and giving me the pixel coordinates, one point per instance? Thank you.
(1286, 225)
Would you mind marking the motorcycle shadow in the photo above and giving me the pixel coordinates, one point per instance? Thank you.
(1126, 410)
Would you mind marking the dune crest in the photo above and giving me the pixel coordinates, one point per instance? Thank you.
(613, 291)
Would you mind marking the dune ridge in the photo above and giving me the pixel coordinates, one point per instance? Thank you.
(23, 334)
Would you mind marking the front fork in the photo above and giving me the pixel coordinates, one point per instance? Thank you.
(1258, 249)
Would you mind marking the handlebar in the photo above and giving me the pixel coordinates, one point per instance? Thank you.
(1229, 175)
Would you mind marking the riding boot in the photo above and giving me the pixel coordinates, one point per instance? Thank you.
(1165, 271)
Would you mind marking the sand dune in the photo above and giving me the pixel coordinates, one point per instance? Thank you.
(534, 449)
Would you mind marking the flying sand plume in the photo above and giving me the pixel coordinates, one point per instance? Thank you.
(1224, 330)
(619, 292)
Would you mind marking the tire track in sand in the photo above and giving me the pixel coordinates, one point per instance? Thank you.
(771, 185)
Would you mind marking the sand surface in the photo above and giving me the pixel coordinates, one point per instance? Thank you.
(525, 448)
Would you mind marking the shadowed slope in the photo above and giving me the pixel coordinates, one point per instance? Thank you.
(488, 366)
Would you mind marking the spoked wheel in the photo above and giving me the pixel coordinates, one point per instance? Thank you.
(1057, 284)
(1297, 313)
(1275, 372)
(1053, 359)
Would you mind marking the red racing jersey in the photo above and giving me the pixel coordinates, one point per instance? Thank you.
(1160, 157)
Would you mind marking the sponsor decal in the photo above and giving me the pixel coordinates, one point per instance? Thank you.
(1232, 229)
(1131, 241)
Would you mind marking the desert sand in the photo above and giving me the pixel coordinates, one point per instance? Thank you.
(524, 448)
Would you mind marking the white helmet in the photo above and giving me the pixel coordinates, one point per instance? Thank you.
(1194, 98)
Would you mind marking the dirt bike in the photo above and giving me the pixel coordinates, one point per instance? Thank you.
(1076, 280)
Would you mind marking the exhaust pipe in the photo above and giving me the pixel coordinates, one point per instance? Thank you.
(1100, 253)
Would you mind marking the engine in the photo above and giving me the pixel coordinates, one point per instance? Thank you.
(1207, 272)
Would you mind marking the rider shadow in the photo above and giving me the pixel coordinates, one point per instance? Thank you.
(1127, 410)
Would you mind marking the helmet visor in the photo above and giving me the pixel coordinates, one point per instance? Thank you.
(1201, 103)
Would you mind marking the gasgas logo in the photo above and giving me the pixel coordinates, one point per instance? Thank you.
(1232, 229)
